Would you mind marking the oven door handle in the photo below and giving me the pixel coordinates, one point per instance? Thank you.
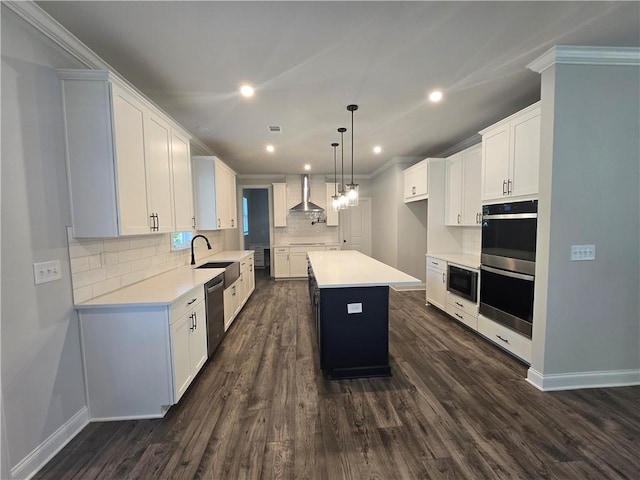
(506, 273)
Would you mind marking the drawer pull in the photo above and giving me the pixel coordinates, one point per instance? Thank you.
(459, 304)
(503, 339)
(459, 316)
(192, 300)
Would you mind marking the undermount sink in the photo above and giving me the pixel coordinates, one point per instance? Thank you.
(231, 270)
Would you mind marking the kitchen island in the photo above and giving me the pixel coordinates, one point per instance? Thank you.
(350, 299)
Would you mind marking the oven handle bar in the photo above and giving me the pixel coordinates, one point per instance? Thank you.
(506, 273)
(510, 216)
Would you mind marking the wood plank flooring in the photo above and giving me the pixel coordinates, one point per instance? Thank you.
(455, 408)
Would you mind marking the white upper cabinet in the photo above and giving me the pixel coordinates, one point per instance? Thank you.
(416, 182)
(462, 203)
(119, 157)
(214, 187)
(182, 190)
(511, 156)
(331, 214)
(280, 205)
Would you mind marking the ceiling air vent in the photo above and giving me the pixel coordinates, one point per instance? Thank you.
(274, 129)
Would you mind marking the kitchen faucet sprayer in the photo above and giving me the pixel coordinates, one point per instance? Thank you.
(193, 257)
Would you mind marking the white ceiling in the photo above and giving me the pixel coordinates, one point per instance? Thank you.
(309, 60)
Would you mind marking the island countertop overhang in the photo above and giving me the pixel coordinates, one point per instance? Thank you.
(350, 268)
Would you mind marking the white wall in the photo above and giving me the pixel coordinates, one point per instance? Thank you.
(42, 385)
(587, 314)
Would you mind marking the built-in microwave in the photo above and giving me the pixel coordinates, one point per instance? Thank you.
(463, 282)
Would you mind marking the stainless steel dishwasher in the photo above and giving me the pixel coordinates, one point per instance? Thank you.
(215, 312)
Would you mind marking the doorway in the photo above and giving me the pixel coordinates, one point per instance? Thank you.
(355, 227)
(255, 225)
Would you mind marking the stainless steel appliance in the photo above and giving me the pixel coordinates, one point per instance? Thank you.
(214, 301)
(463, 282)
(508, 264)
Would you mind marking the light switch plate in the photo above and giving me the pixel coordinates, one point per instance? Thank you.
(47, 271)
(354, 308)
(583, 252)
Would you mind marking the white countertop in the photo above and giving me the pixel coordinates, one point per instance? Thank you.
(166, 288)
(350, 268)
(463, 259)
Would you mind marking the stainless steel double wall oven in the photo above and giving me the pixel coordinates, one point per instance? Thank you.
(508, 264)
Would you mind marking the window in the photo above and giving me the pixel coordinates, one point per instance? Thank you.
(181, 240)
(245, 216)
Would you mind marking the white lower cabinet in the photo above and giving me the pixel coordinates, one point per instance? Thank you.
(230, 303)
(505, 338)
(437, 282)
(139, 360)
(237, 294)
(462, 310)
(281, 262)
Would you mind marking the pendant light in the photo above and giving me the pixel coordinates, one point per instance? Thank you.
(335, 199)
(352, 188)
(343, 201)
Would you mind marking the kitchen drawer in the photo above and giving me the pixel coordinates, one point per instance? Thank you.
(436, 263)
(186, 303)
(301, 249)
(463, 304)
(281, 250)
(505, 338)
(333, 248)
(468, 319)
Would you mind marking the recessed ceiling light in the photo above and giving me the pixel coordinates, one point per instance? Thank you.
(271, 148)
(247, 90)
(435, 96)
(307, 167)
(377, 149)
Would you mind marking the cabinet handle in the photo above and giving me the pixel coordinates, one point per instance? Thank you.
(158, 224)
(191, 301)
(232, 222)
(504, 187)
(193, 219)
(509, 182)
(435, 263)
(413, 190)
(195, 321)
(459, 304)
(459, 316)
(443, 280)
(234, 290)
(503, 339)
(218, 223)
(192, 327)
(458, 218)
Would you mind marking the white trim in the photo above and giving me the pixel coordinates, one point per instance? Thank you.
(395, 161)
(406, 288)
(573, 381)
(32, 463)
(578, 55)
(35, 16)
(460, 146)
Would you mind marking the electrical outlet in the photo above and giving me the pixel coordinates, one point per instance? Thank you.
(583, 252)
(47, 271)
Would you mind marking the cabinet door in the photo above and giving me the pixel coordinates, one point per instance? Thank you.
(495, 163)
(221, 191)
(332, 215)
(525, 136)
(437, 287)
(128, 123)
(180, 332)
(453, 198)
(204, 188)
(182, 189)
(280, 265)
(298, 265)
(279, 204)
(471, 202)
(416, 182)
(232, 200)
(198, 339)
(158, 167)
(251, 277)
(230, 295)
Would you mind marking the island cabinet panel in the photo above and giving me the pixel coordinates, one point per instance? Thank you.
(353, 332)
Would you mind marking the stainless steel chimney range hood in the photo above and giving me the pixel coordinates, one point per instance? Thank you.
(306, 205)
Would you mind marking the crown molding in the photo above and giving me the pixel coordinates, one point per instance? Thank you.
(44, 23)
(578, 55)
(460, 146)
(392, 162)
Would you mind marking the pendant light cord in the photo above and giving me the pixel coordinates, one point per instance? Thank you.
(342, 130)
(352, 108)
(335, 170)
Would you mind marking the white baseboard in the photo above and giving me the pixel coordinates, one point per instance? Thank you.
(574, 381)
(32, 463)
(400, 288)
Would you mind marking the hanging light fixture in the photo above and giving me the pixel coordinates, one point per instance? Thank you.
(352, 188)
(342, 201)
(335, 199)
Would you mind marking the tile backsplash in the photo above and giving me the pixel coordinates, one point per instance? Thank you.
(471, 240)
(99, 266)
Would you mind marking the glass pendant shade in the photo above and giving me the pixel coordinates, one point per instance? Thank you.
(335, 203)
(352, 194)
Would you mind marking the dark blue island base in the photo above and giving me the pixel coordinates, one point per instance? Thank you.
(353, 331)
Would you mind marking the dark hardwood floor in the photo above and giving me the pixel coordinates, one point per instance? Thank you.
(455, 408)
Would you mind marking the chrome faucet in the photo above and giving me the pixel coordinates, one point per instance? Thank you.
(193, 257)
